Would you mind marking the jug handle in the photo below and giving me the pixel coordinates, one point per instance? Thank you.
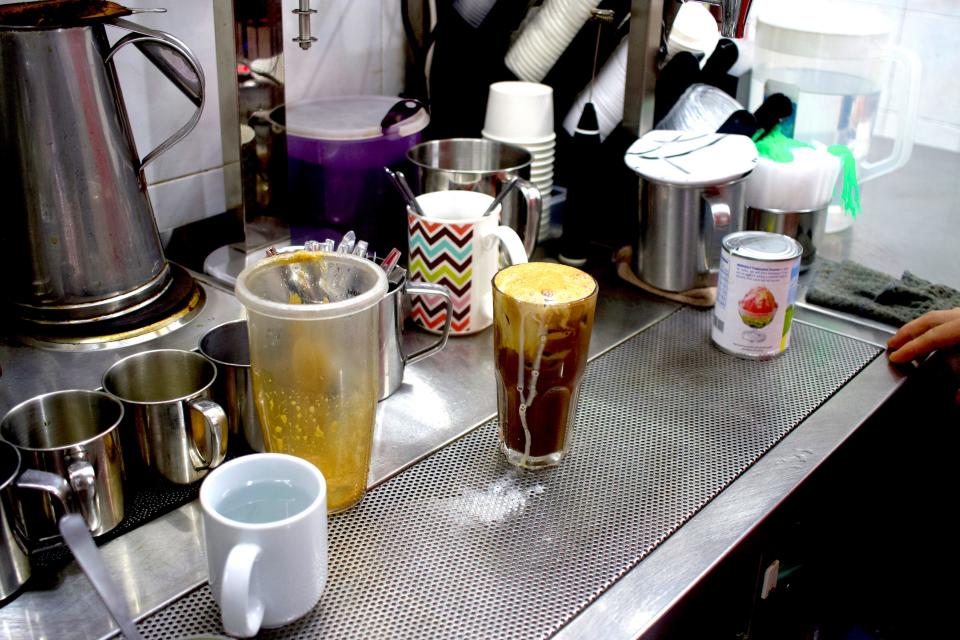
(909, 65)
(195, 91)
(718, 216)
(534, 200)
(429, 289)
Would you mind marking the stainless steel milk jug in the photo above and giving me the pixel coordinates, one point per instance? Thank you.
(692, 193)
(81, 239)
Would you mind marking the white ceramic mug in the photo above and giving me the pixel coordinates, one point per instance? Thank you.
(455, 245)
(265, 530)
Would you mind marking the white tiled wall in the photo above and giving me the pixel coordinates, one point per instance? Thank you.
(359, 50)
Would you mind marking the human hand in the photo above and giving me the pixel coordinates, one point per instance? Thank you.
(931, 331)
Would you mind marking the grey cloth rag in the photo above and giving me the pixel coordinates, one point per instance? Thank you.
(853, 288)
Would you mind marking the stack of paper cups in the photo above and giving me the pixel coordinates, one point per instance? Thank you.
(546, 37)
(521, 114)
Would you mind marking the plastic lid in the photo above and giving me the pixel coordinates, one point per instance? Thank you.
(690, 159)
(762, 245)
(348, 118)
(818, 29)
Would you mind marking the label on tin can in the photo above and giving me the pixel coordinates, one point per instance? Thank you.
(755, 301)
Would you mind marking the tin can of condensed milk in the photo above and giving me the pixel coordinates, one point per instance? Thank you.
(756, 291)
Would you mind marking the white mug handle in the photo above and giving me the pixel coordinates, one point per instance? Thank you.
(511, 243)
(242, 611)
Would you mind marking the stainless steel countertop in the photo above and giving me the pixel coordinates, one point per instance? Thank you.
(163, 559)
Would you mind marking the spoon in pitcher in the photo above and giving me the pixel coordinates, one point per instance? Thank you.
(500, 196)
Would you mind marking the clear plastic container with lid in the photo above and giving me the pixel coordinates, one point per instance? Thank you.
(336, 149)
(834, 61)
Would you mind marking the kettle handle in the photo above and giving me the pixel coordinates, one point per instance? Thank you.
(193, 88)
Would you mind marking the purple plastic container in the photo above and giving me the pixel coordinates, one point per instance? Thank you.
(336, 152)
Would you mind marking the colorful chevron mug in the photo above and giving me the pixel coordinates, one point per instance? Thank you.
(455, 245)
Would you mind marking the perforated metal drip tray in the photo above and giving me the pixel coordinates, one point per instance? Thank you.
(463, 546)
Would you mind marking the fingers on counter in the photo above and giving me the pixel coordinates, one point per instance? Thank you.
(931, 331)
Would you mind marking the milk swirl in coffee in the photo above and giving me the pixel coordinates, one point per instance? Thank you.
(543, 316)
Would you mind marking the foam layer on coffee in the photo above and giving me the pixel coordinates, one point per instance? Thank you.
(544, 283)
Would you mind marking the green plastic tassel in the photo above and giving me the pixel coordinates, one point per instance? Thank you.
(850, 191)
(776, 146)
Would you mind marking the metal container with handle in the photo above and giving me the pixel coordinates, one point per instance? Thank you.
(692, 194)
(475, 164)
(82, 241)
(73, 434)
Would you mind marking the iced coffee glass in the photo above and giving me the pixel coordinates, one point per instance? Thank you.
(543, 317)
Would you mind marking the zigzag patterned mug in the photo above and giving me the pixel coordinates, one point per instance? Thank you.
(455, 245)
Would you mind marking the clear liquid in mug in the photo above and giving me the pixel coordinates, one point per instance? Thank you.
(264, 501)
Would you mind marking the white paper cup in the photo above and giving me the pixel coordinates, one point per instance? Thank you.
(519, 111)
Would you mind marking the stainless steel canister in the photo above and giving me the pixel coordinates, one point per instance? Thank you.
(73, 434)
(806, 226)
(181, 434)
(692, 194)
(476, 164)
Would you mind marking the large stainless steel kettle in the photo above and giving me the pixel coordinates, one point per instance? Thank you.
(81, 242)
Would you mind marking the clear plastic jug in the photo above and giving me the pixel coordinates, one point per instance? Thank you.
(313, 321)
(834, 62)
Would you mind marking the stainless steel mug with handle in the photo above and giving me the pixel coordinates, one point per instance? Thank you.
(75, 435)
(228, 346)
(181, 433)
(82, 238)
(16, 483)
(393, 359)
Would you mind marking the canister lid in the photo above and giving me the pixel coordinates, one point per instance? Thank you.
(349, 118)
(691, 159)
(762, 245)
(822, 30)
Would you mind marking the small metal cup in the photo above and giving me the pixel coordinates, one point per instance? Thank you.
(74, 435)
(393, 359)
(181, 433)
(806, 226)
(14, 562)
(228, 346)
(14, 548)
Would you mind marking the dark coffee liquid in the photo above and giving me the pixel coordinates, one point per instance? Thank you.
(551, 410)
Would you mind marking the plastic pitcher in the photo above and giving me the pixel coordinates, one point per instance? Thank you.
(834, 62)
(316, 365)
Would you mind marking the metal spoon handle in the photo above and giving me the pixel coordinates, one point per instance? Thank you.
(500, 196)
(77, 536)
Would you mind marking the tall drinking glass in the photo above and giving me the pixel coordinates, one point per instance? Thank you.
(543, 318)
